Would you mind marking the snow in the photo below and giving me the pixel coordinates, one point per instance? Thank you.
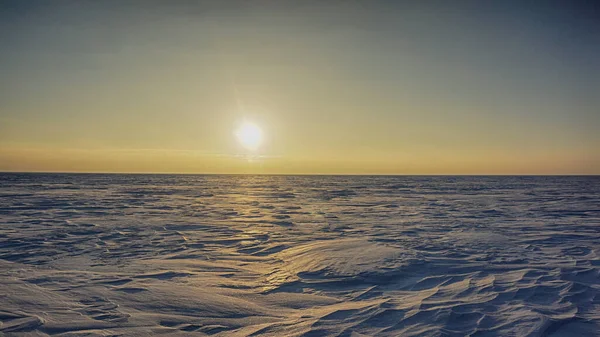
(138, 255)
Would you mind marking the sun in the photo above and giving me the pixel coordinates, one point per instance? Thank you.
(249, 135)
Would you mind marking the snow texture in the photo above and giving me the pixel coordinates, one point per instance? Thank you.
(139, 255)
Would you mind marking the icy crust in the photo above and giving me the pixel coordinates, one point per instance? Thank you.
(102, 255)
(342, 258)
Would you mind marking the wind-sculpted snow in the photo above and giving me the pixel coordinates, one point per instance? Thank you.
(100, 255)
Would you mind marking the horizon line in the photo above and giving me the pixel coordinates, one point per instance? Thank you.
(316, 174)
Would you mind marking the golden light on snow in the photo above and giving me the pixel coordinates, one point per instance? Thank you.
(249, 135)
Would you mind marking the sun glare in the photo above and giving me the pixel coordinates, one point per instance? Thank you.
(249, 135)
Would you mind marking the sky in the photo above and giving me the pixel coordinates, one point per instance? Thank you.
(337, 87)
